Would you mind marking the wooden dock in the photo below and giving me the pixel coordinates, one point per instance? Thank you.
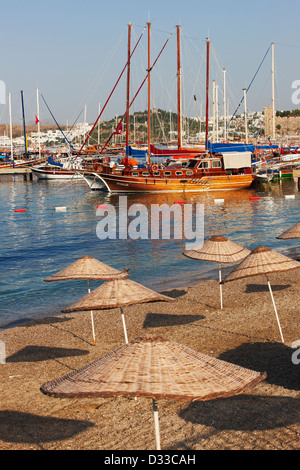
(25, 171)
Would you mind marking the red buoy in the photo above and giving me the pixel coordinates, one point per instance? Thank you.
(20, 210)
(254, 198)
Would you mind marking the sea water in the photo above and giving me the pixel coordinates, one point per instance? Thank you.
(58, 226)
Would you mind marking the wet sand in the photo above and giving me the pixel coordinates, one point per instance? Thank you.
(245, 332)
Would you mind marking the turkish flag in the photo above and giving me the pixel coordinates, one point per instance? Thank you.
(36, 119)
(119, 128)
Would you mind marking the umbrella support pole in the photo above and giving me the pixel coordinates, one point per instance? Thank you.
(220, 283)
(156, 425)
(275, 309)
(93, 328)
(92, 318)
(124, 325)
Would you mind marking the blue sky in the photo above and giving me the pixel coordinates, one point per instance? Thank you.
(74, 51)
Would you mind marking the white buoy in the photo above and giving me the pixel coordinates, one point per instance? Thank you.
(61, 209)
(219, 201)
(290, 196)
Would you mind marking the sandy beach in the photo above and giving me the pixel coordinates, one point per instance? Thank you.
(245, 332)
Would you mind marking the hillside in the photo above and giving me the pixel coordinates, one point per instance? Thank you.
(164, 127)
(17, 130)
(288, 124)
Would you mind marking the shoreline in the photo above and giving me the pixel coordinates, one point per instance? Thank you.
(198, 276)
(244, 332)
(208, 275)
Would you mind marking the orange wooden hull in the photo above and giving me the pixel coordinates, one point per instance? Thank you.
(125, 183)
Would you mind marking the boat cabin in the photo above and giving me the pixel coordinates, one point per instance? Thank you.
(199, 166)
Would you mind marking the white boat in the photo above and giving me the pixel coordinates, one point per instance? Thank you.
(94, 181)
(263, 176)
(56, 170)
(48, 172)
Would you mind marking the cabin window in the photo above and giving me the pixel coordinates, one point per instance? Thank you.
(192, 163)
(216, 164)
(178, 173)
(189, 173)
(145, 173)
(167, 173)
(204, 164)
(135, 173)
(156, 173)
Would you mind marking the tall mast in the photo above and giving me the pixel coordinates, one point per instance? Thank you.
(207, 91)
(149, 89)
(24, 127)
(179, 119)
(214, 112)
(10, 126)
(224, 104)
(273, 93)
(99, 109)
(217, 112)
(128, 86)
(38, 120)
(246, 124)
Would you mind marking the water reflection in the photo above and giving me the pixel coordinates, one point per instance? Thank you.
(41, 241)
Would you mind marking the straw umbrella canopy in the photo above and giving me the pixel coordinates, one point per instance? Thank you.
(263, 260)
(117, 293)
(154, 367)
(293, 232)
(88, 268)
(220, 250)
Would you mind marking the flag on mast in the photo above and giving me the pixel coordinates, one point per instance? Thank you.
(119, 129)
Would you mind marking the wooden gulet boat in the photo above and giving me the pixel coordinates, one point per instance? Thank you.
(195, 175)
(202, 172)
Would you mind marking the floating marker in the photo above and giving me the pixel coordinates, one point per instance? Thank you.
(20, 210)
(290, 196)
(254, 198)
(179, 202)
(219, 200)
(61, 209)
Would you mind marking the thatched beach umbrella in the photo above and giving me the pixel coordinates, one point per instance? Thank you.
(117, 293)
(293, 232)
(263, 260)
(220, 250)
(88, 268)
(155, 367)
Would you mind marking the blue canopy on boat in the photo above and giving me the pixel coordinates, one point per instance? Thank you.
(222, 147)
(52, 162)
(133, 152)
(232, 147)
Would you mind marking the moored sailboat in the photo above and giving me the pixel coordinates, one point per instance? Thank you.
(192, 171)
(208, 173)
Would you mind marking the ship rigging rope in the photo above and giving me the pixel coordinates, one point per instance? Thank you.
(141, 86)
(56, 122)
(125, 67)
(249, 86)
(99, 75)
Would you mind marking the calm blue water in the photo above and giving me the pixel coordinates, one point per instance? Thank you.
(41, 241)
